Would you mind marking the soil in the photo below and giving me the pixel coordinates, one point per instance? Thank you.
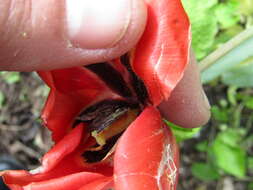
(21, 133)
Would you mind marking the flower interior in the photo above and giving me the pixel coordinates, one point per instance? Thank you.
(108, 119)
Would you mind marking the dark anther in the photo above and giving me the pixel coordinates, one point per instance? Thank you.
(104, 113)
(106, 119)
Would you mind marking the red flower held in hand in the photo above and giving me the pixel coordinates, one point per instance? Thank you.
(103, 119)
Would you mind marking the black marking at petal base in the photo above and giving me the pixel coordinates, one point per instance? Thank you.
(96, 156)
(103, 114)
(137, 83)
(126, 62)
(111, 77)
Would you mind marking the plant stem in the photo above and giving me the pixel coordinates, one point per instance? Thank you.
(226, 48)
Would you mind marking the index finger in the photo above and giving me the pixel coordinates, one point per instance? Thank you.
(188, 105)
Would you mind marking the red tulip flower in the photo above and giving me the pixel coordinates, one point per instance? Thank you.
(107, 131)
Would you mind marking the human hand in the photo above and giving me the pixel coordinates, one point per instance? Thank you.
(188, 105)
(50, 34)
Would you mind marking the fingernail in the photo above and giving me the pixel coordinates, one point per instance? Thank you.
(95, 24)
(206, 101)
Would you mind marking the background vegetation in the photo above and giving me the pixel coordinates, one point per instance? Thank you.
(220, 155)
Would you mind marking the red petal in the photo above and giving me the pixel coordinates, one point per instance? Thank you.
(71, 80)
(70, 182)
(66, 146)
(59, 113)
(46, 76)
(72, 90)
(50, 161)
(163, 51)
(146, 156)
(61, 162)
(100, 184)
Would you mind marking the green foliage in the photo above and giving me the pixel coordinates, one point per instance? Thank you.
(219, 114)
(226, 35)
(240, 75)
(229, 57)
(2, 99)
(204, 171)
(202, 146)
(249, 103)
(213, 23)
(204, 26)
(228, 154)
(227, 14)
(225, 27)
(229, 18)
(250, 163)
(250, 186)
(181, 133)
(10, 77)
(246, 7)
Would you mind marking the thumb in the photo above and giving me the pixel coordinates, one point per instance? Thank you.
(50, 34)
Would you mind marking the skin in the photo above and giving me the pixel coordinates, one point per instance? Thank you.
(188, 105)
(50, 34)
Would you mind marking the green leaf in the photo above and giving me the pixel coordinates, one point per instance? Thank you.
(228, 155)
(231, 137)
(250, 163)
(249, 103)
(241, 75)
(250, 186)
(204, 27)
(203, 32)
(231, 94)
(202, 146)
(2, 99)
(248, 142)
(219, 114)
(11, 77)
(181, 133)
(204, 171)
(231, 160)
(227, 13)
(246, 7)
(192, 5)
